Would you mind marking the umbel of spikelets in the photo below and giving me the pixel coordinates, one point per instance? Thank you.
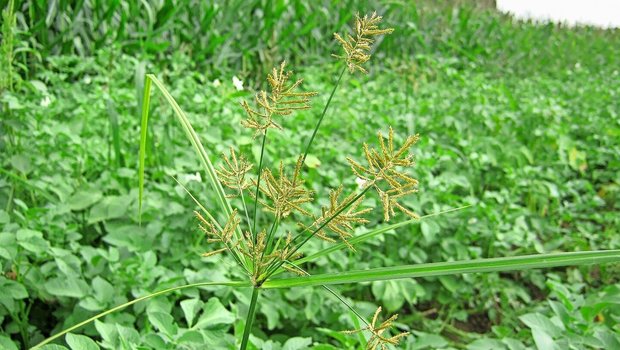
(286, 194)
(343, 214)
(385, 172)
(216, 234)
(378, 339)
(357, 48)
(232, 173)
(282, 100)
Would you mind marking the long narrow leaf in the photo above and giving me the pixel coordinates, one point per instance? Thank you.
(193, 138)
(451, 268)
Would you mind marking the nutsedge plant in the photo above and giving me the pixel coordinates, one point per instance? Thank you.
(262, 250)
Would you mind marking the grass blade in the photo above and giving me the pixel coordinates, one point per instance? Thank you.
(120, 307)
(222, 201)
(451, 268)
(144, 120)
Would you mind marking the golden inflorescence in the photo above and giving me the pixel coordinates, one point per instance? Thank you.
(377, 338)
(357, 48)
(281, 101)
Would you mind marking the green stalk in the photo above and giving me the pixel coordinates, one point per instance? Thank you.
(451, 268)
(250, 319)
(318, 124)
(245, 209)
(120, 307)
(260, 169)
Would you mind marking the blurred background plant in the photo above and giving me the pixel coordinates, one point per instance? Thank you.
(520, 119)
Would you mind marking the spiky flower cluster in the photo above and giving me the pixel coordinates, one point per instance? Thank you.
(377, 339)
(286, 194)
(343, 215)
(386, 166)
(357, 49)
(281, 101)
(232, 173)
(218, 234)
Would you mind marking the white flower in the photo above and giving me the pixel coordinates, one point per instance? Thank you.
(237, 83)
(217, 82)
(46, 101)
(360, 182)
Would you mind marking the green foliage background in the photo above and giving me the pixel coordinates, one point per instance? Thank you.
(518, 119)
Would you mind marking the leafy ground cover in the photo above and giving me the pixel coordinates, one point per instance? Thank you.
(534, 154)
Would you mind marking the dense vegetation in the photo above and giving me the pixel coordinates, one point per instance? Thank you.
(519, 120)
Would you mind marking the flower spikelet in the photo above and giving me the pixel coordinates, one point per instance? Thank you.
(217, 234)
(282, 100)
(378, 340)
(342, 219)
(357, 49)
(232, 173)
(286, 194)
(384, 166)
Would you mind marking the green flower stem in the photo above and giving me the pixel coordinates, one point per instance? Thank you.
(260, 169)
(318, 124)
(120, 307)
(250, 319)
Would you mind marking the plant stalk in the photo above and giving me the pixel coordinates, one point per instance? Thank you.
(260, 169)
(318, 124)
(250, 319)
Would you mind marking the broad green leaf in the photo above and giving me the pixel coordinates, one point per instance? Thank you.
(541, 322)
(84, 199)
(32, 241)
(543, 340)
(163, 322)
(191, 336)
(13, 289)
(7, 344)
(450, 268)
(67, 287)
(213, 314)
(486, 344)
(104, 291)
(190, 309)
(80, 342)
(428, 341)
(297, 343)
(54, 347)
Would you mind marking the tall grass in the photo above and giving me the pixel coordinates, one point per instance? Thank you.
(299, 31)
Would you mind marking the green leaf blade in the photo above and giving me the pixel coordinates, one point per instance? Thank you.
(451, 268)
